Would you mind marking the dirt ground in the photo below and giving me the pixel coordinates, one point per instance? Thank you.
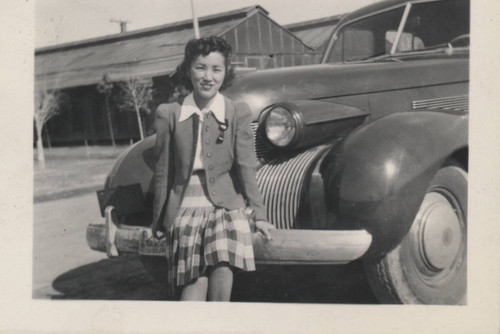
(73, 170)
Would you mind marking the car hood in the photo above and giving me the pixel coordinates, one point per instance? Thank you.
(263, 88)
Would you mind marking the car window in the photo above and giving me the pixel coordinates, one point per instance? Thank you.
(436, 24)
(365, 38)
(428, 25)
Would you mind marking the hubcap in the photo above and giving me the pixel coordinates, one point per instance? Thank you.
(437, 245)
(441, 232)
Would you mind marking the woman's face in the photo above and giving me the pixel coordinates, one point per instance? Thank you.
(207, 75)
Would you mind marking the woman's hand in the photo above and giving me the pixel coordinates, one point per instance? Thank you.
(155, 230)
(264, 227)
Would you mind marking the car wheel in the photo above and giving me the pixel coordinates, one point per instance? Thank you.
(429, 265)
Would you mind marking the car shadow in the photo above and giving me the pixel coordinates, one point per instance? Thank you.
(125, 278)
(337, 284)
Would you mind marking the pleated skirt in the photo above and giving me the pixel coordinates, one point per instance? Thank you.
(204, 235)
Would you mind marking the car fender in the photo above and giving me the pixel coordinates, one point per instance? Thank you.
(385, 168)
(135, 165)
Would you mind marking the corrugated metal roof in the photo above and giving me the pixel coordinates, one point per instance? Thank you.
(315, 33)
(147, 52)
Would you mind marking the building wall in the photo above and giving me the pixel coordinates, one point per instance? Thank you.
(257, 42)
(261, 43)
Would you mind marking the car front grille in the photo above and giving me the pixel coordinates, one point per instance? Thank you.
(280, 182)
(262, 148)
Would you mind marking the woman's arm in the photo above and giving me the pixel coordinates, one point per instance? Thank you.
(245, 161)
(162, 155)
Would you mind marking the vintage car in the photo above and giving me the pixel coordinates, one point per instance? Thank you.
(361, 157)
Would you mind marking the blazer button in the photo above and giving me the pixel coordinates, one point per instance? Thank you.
(207, 141)
(213, 192)
(206, 128)
(211, 180)
(210, 167)
(209, 154)
(220, 202)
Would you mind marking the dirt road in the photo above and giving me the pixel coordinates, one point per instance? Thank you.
(65, 268)
(59, 240)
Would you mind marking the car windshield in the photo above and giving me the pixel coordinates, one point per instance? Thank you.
(431, 25)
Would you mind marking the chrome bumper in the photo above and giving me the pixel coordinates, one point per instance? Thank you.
(286, 246)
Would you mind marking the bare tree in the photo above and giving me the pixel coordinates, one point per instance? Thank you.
(46, 106)
(136, 95)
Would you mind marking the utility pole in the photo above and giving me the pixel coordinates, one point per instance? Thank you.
(195, 21)
(123, 24)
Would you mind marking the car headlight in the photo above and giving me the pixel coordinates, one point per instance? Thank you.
(280, 126)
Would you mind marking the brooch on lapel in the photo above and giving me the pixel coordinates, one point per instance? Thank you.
(222, 128)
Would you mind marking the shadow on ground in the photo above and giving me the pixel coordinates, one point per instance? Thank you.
(126, 279)
(305, 284)
(123, 278)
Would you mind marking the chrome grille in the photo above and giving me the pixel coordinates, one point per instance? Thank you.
(452, 103)
(281, 181)
(262, 148)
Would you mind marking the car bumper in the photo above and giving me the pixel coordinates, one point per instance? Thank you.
(285, 247)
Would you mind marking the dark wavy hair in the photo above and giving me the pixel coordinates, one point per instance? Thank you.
(204, 46)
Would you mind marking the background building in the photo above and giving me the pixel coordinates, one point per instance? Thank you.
(77, 68)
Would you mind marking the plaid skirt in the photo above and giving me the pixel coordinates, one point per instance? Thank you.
(204, 235)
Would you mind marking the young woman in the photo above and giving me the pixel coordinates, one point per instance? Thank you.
(205, 178)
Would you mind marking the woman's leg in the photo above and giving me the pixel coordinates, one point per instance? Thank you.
(220, 282)
(195, 291)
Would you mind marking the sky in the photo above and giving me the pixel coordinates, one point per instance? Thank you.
(61, 21)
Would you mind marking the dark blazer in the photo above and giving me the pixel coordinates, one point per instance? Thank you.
(229, 165)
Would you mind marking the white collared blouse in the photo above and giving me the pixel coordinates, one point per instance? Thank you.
(216, 106)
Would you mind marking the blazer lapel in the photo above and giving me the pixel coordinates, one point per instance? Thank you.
(186, 145)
